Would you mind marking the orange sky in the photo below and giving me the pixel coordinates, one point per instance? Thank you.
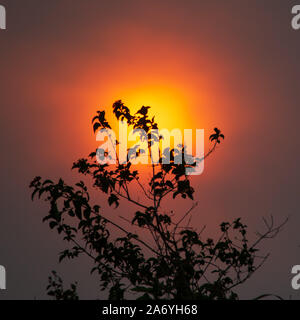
(198, 64)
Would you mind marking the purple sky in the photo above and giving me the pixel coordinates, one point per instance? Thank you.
(233, 63)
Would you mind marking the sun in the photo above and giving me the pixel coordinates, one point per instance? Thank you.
(168, 105)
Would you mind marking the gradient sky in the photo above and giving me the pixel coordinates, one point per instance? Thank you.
(232, 64)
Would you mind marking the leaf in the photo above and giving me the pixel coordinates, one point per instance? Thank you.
(52, 224)
(113, 199)
(96, 208)
(47, 182)
(87, 213)
(175, 194)
(95, 118)
(96, 126)
(143, 111)
(33, 194)
(77, 206)
(169, 184)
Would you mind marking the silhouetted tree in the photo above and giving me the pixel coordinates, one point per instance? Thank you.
(178, 263)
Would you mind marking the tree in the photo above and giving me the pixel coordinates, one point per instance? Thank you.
(178, 263)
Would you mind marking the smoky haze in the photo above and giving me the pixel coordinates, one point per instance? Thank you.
(237, 63)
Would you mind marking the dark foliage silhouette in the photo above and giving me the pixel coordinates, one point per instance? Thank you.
(56, 289)
(178, 263)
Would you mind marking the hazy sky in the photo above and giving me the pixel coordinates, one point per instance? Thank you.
(201, 63)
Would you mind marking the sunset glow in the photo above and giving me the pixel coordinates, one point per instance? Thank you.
(168, 105)
(201, 65)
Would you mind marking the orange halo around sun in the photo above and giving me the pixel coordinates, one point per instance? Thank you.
(167, 105)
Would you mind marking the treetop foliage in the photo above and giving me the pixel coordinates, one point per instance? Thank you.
(178, 263)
